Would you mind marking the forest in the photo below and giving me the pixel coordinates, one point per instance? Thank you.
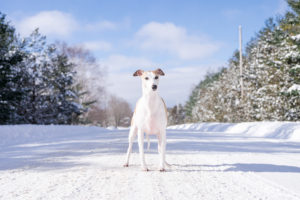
(271, 79)
(43, 83)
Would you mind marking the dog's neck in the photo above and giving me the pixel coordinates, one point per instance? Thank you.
(149, 94)
(151, 99)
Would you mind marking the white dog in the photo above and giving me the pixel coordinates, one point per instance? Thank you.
(150, 117)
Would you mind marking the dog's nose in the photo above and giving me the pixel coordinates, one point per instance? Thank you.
(154, 87)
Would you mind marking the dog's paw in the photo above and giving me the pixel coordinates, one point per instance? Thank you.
(125, 165)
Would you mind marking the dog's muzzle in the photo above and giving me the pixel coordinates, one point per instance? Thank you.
(154, 87)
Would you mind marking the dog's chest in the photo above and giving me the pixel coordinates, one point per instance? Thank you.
(152, 124)
(150, 115)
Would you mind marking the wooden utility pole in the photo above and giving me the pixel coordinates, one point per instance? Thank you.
(241, 62)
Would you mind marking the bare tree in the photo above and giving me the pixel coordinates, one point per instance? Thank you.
(98, 116)
(119, 111)
(89, 78)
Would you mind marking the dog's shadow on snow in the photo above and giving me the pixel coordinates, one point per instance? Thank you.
(237, 167)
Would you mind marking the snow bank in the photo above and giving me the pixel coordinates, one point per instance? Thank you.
(14, 134)
(276, 130)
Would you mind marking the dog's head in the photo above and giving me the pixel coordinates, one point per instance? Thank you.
(150, 79)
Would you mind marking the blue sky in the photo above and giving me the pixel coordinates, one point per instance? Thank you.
(184, 38)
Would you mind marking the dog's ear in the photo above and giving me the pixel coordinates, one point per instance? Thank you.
(159, 72)
(138, 73)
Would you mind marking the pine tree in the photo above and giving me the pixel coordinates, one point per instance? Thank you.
(204, 99)
(36, 86)
(88, 80)
(291, 25)
(47, 81)
(10, 57)
(190, 104)
(266, 75)
(271, 78)
(36, 81)
(63, 96)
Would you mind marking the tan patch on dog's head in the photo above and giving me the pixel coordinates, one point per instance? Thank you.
(156, 72)
(159, 72)
(138, 72)
(150, 79)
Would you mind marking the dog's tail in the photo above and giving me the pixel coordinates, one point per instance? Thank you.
(148, 147)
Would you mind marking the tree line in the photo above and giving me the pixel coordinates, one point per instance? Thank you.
(271, 76)
(43, 83)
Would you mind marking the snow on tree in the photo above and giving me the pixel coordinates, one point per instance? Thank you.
(36, 80)
(89, 79)
(271, 78)
(63, 95)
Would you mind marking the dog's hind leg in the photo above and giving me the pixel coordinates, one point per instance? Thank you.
(131, 137)
(159, 151)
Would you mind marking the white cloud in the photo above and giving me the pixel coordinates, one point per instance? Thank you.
(118, 62)
(98, 46)
(175, 87)
(125, 85)
(106, 25)
(174, 40)
(49, 22)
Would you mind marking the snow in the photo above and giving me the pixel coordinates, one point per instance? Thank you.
(15, 134)
(258, 160)
(294, 87)
(276, 130)
(296, 67)
(296, 37)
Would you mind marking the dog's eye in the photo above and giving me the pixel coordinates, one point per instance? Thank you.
(156, 77)
(146, 78)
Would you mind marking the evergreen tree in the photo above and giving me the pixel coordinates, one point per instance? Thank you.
(10, 57)
(64, 96)
(47, 81)
(36, 81)
(35, 84)
(290, 24)
(271, 75)
(266, 75)
(203, 99)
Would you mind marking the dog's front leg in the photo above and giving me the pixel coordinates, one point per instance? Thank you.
(132, 134)
(141, 149)
(162, 150)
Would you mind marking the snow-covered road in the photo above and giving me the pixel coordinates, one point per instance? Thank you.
(87, 164)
